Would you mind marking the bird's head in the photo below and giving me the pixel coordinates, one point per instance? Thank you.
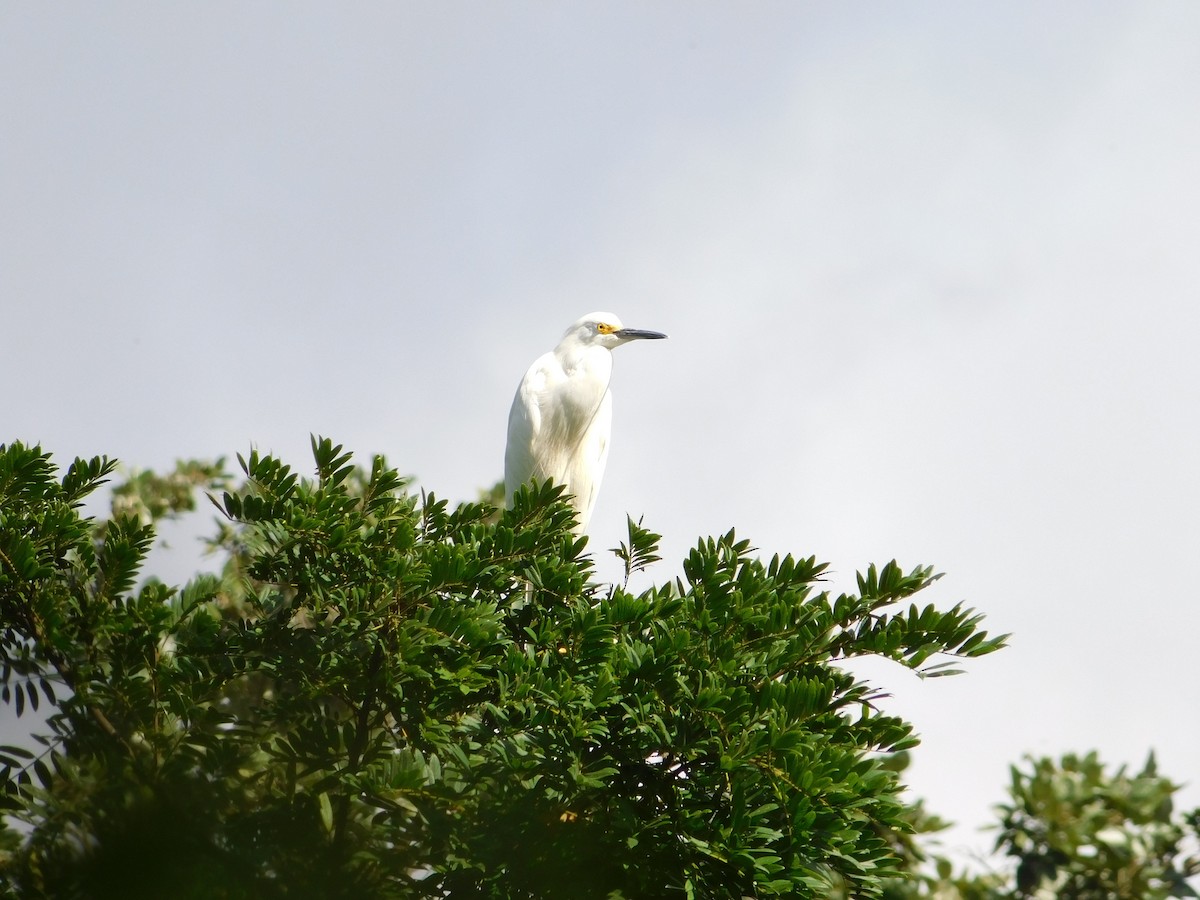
(603, 329)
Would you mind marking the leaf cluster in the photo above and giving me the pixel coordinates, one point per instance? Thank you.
(1071, 829)
(1084, 833)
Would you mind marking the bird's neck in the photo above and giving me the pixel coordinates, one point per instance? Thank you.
(595, 362)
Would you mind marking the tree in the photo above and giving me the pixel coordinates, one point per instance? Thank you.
(381, 696)
(1072, 831)
(1080, 833)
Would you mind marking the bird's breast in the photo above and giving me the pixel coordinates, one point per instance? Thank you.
(575, 392)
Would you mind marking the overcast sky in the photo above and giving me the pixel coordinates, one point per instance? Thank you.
(930, 271)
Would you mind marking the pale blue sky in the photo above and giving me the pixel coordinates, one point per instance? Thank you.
(929, 272)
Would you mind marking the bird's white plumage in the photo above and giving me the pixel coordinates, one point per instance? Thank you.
(561, 418)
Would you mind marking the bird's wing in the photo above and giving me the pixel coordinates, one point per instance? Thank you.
(524, 427)
(587, 470)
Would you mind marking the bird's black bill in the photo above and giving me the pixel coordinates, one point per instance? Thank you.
(635, 334)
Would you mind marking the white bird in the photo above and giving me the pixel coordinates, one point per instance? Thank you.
(561, 417)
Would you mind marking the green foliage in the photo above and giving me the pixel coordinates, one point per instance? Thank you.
(381, 696)
(53, 577)
(1081, 833)
(151, 497)
(1072, 831)
(640, 552)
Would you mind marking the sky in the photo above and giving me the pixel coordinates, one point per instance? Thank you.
(929, 271)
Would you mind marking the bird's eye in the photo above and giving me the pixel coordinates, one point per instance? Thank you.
(604, 328)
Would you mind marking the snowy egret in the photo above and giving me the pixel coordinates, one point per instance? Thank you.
(561, 417)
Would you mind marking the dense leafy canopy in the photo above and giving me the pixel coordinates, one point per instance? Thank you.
(1071, 830)
(1084, 833)
(381, 696)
